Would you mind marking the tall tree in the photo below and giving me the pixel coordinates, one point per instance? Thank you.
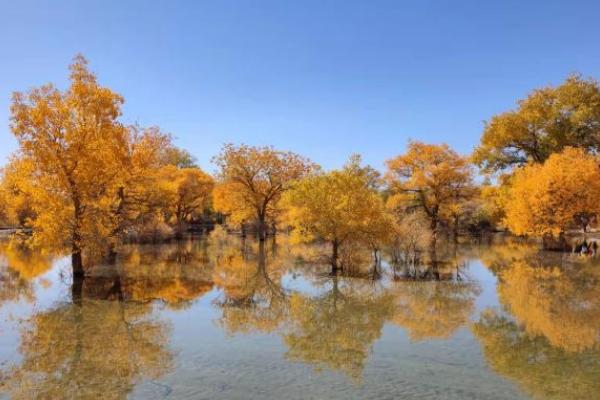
(431, 178)
(77, 146)
(545, 122)
(252, 180)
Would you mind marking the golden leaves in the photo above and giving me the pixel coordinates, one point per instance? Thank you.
(546, 199)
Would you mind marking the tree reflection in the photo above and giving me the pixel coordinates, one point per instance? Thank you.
(561, 303)
(18, 267)
(89, 350)
(435, 309)
(176, 274)
(336, 329)
(547, 337)
(253, 298)
(543, 370)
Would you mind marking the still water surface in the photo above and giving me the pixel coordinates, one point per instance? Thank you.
(220, 319)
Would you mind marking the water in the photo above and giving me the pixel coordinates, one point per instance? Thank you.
(221, 319)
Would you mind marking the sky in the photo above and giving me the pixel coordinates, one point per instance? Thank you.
(322, 78)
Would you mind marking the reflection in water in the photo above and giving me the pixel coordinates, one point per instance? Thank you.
(253, 298)
(91, 350)
(543, 370)
(113, 334)
(436, 309)
(548, 336)
(176, 274)
(559, 303)
(18, 267)
(337, 328)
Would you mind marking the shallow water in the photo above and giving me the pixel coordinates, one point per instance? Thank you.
(221, 319)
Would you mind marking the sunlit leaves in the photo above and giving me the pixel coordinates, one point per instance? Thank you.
(545, 122)
(546, 199)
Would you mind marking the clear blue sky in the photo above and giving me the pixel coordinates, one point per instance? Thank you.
(322, 78)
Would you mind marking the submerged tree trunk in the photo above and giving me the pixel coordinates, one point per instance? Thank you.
(262, 228)
(77, 290)
(77, 265)
(553, 243)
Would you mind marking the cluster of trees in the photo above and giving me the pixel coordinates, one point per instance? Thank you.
(545, 155)
(83, 180)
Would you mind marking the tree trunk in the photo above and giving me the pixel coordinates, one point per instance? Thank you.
(434, 229)
(334, 256)
(76, 260)
(77, 264)
(262, 229)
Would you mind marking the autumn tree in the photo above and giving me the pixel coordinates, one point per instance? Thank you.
(433, 179)
(252, 180)
(335, 207)
(142, 191)
(76, 146)
(545, 122)
(547, 200)
(187, 192)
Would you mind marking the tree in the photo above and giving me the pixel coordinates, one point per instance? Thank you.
(189, 192)
(76, 145)
(177, 157)
(252, 180)
(336, 207)
(546, 200)
(431, 178)
(546, 122)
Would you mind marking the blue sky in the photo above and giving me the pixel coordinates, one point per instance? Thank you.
(322, 78)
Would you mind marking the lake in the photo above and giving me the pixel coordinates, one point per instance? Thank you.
(222, 318)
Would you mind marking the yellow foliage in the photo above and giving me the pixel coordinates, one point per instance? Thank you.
(430, 178)
(547, 199)
(76, 147)
(252, 180)
(337, 207)
(546, 122)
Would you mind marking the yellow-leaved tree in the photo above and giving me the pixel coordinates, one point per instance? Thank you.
(252, 180)
(545, 200)
(430, 178)
(76, 146)
(188, 192)
(546, 122)
(336, 207)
